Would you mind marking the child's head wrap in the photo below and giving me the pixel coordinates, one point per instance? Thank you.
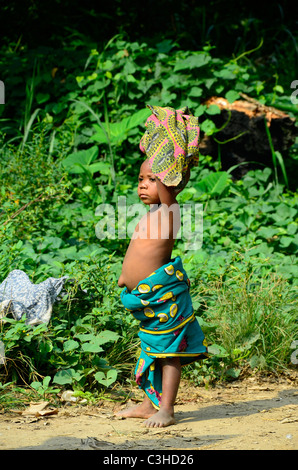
(171, 143)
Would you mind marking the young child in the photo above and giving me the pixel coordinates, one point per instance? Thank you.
(156, 286)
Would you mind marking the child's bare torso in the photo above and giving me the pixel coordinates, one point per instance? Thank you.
(151, 245)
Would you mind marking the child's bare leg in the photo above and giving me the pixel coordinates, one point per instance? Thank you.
(171, 374)
(144, 410)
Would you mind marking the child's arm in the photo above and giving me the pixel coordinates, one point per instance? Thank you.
(166, 193)
(187, 176)
(169, 225)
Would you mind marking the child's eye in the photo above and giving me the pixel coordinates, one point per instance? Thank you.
(152, 179)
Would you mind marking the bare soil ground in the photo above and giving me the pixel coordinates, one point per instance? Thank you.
(252, 414)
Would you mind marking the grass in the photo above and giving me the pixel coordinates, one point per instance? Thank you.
(248, 319)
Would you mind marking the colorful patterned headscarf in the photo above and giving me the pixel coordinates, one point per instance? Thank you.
(171, 143)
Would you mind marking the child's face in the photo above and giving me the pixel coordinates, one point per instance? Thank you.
(147, 189)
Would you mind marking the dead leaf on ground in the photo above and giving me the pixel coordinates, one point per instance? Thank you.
(39, 409)
(290, 419)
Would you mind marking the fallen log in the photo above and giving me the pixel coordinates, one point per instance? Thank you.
(243, 136)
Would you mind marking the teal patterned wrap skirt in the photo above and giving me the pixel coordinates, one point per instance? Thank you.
(168, 327)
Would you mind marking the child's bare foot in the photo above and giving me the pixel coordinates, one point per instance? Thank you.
(160, 419)
(144, 410)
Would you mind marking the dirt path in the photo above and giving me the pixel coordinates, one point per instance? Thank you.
(246, 415)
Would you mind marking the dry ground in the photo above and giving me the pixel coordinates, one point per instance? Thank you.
(253, 414)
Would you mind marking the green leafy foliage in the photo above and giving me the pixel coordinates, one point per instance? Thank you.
(73, 146)
(117, 132)
(249, 315)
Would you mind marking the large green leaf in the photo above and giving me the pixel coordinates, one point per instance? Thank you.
(94, 342)
(70, 345)
(106, 379)
(91, 347)
(194, 61)
(116, 132)
(76, 161)
(66, 376)
(83, 161)
(214, 184)
(106, 336)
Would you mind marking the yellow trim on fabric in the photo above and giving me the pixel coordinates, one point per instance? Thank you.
(200, 358)
(152, 402)
(174, 354)
(155, 332)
